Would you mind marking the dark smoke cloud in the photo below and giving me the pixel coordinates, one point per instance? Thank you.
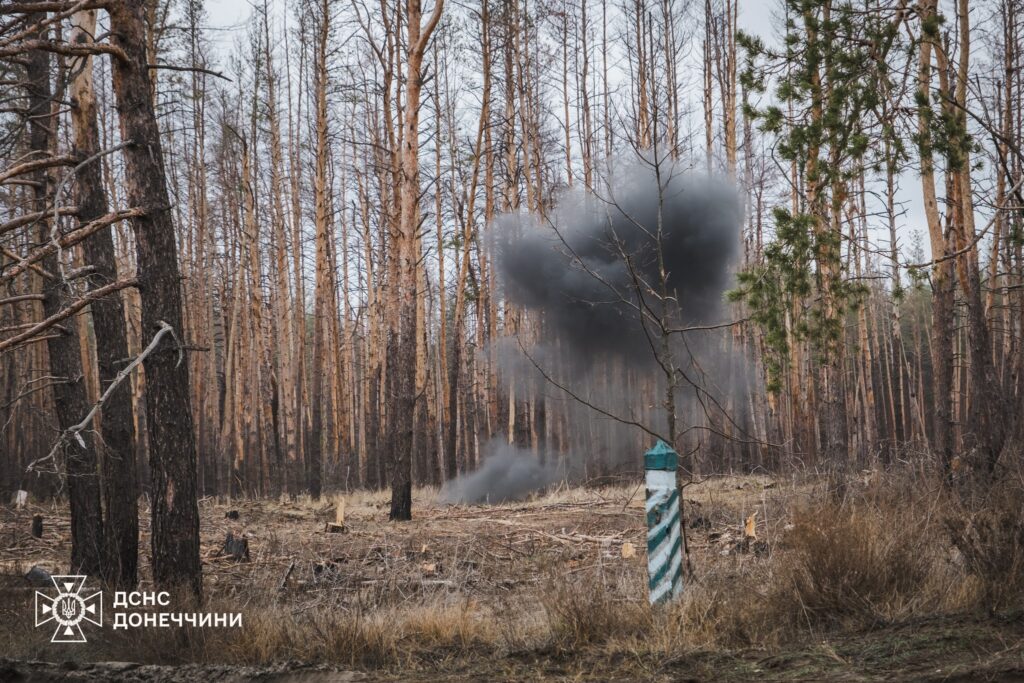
(577, 270)
(507, 473)
(572, 267)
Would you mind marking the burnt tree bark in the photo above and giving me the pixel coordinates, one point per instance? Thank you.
(69, 393)
(324, 281)
(172, 450)
(120, 491)
(403, 336)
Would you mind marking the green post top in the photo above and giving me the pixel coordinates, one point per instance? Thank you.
(661, 457)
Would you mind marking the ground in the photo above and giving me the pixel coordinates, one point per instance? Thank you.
(551, 588)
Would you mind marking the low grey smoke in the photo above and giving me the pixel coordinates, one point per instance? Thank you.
(583, 269)
(508, 473)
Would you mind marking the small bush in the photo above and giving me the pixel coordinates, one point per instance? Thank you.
(853, 562)
(581, 615)
(991, 543)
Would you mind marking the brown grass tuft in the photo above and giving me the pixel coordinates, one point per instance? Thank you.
(581, 615)
(990, 541)
(854, 562)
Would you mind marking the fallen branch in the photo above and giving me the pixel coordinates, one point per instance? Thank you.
(30, 218)
(38, 270)
(20, 298)
(38, 164)
(64, 49)
(48, 21)
(43, 6)
(287, 574)
(196, 69)
(561, 538)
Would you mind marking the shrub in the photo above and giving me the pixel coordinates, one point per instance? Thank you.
(580, 615)
(991, 543)
(853, 562)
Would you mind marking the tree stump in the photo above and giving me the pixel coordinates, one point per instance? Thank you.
(237, 548)
(338, 525)
(39, 577)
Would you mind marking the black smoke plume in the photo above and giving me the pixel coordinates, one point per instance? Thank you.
(588, 269)
(592, 264)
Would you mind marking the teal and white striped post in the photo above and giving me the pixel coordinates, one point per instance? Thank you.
(664, 539)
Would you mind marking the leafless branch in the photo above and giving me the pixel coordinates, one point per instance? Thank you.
(73, 430)
(583, 401)
(67, 312)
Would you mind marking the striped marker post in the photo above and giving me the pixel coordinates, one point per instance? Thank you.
(664, 540)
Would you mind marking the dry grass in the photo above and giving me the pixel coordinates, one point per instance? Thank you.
(580, 617)
(464, 584)
(990, 542)
(855, 563)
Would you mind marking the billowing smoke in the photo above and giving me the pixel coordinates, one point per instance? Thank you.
(506, 474)
(594, 267)
(588, 270)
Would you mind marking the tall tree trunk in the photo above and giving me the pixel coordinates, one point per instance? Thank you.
(175, 511)
(827, 254)
(464, 262)
(286, 423)
(942, 276)
(987, 407)
(404, 337)
(120, 489)
(321, 295)
(69, 389)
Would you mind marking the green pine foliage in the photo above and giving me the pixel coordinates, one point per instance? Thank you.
(826, 84)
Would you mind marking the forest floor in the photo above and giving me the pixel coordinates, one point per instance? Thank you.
(549, 589)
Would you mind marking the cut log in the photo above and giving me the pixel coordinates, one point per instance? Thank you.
(750, 527)
(37, 526)
(237, 548)
(749, 532)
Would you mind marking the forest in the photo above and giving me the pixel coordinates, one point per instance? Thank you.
(422, 260)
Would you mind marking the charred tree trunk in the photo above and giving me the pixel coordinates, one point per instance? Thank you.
(120, 491)
(172, 450)
(69, 392)
(321, 296)
(403, 339)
